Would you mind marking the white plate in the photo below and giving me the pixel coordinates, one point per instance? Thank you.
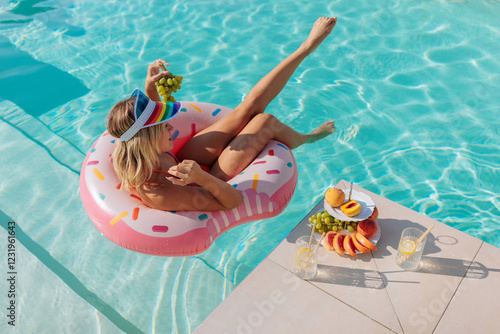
(364, 200)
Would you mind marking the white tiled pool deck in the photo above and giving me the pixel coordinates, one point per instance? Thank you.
(455, 290)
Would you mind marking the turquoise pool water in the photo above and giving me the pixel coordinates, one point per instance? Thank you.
(414, 88)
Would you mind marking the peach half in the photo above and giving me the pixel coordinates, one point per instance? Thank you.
(351, 208)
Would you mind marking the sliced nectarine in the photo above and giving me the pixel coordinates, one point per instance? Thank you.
(358, 246)
(329, 241)
(365, 242)
(338, 243)
(349, 246)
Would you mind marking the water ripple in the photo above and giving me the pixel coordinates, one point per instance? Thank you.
(413, 88)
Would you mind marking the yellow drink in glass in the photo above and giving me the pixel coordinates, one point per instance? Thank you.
(409, 253)
(306, 261)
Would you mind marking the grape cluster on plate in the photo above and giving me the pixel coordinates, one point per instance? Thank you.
(324, 222)
(167, 85)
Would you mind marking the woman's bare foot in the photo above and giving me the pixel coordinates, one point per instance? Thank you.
(321, 132)
(321, 29)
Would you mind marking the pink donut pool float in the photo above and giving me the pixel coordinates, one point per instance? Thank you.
(267, 186)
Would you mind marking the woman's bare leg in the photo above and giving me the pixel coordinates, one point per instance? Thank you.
(206, 146)
(272, 84)
(245, 147)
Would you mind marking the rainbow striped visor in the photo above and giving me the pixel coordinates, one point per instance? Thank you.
(148, 113)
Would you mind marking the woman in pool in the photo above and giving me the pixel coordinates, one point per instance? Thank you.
(144, 165)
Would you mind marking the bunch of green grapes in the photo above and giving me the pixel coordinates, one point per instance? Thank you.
(167, 85)
(324, 222)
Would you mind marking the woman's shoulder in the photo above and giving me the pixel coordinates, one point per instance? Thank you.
(157, 184)
(167, 160)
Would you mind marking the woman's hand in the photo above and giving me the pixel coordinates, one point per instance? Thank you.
(187, 172)
(154, 74)
(213, 194)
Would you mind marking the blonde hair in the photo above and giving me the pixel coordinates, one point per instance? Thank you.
(133, 160)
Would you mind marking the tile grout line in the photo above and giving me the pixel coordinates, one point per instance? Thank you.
(458, 287)
(378, 273)
(388, 296)
(314, 286)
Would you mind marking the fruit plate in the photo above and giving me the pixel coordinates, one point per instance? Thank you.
(364, 200)
(374, 240)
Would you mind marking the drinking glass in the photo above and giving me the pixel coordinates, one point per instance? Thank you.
(306, 260)
(409, 253)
